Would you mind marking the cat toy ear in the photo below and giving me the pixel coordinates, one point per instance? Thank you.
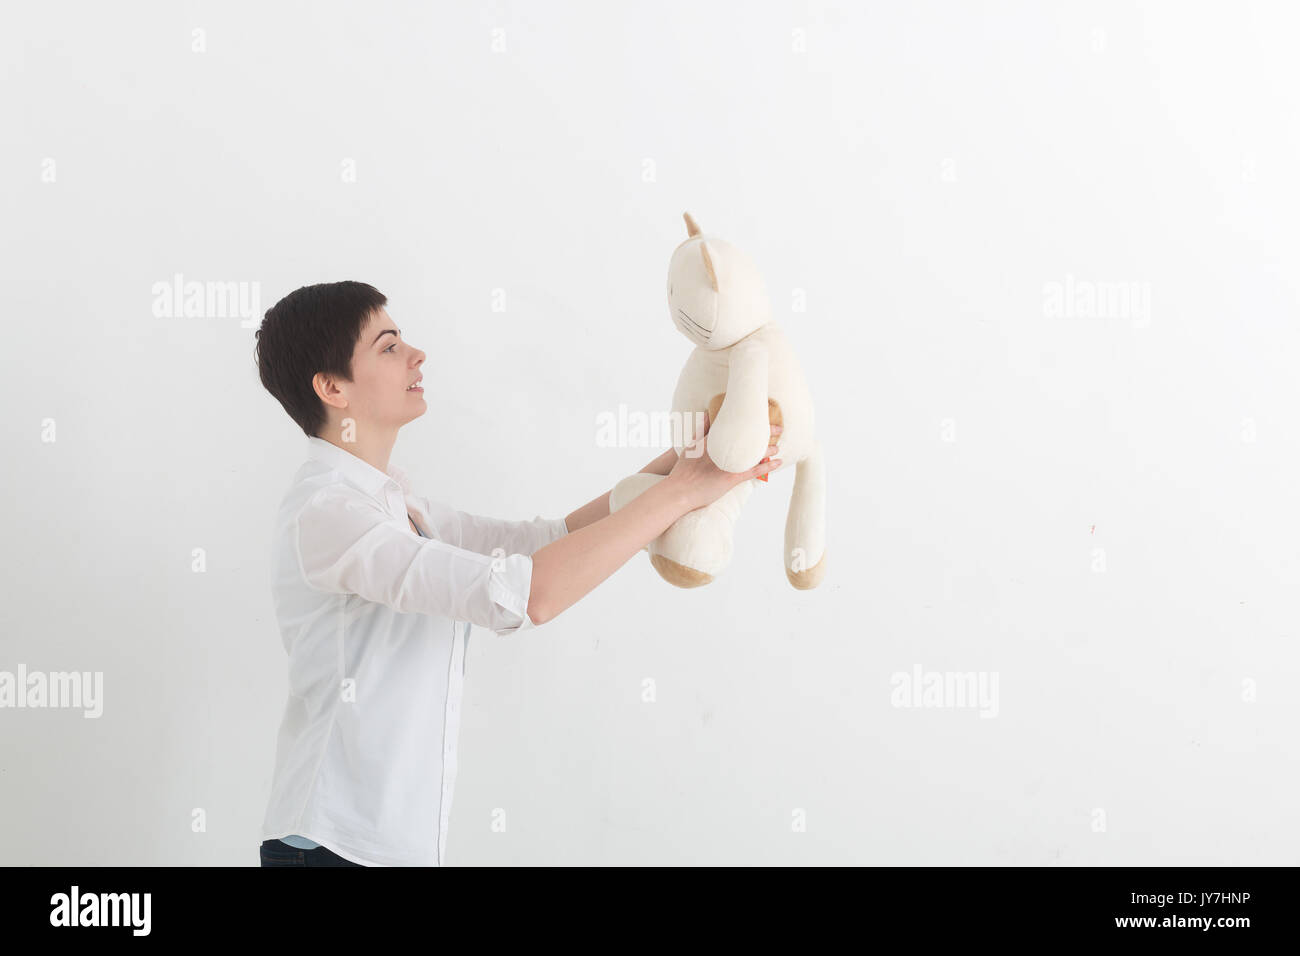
(708, 264)
(692, 230)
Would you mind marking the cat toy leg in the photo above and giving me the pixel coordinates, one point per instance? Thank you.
(805, 523)
(697, 546)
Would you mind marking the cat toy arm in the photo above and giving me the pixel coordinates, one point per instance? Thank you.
(740, 435)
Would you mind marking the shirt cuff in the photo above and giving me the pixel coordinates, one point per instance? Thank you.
(509, 585)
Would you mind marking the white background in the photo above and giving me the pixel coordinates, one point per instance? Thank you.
(923, 172)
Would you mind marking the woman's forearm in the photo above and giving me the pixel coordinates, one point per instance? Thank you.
(598, 508)
(590, 513)
(568, 569)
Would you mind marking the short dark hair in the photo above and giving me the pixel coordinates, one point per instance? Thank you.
(312, 329)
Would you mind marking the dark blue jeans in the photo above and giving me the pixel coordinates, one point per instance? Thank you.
(279, 853)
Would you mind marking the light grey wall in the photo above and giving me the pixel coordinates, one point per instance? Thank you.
(1095, 508)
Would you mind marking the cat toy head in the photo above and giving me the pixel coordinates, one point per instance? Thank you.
(716, 294)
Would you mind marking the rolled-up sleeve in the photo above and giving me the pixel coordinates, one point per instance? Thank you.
(349, 545)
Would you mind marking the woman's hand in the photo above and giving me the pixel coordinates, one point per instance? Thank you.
(701, 482)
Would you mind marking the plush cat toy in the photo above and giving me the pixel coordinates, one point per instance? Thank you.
(744, 374)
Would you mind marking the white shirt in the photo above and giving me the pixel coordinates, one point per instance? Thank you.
(368, 613)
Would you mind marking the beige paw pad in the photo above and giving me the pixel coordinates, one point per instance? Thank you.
(678, 574)
(809, 578)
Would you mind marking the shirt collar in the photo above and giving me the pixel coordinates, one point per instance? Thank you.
(361, 473)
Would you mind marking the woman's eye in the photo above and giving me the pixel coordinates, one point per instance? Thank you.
(391, 347)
